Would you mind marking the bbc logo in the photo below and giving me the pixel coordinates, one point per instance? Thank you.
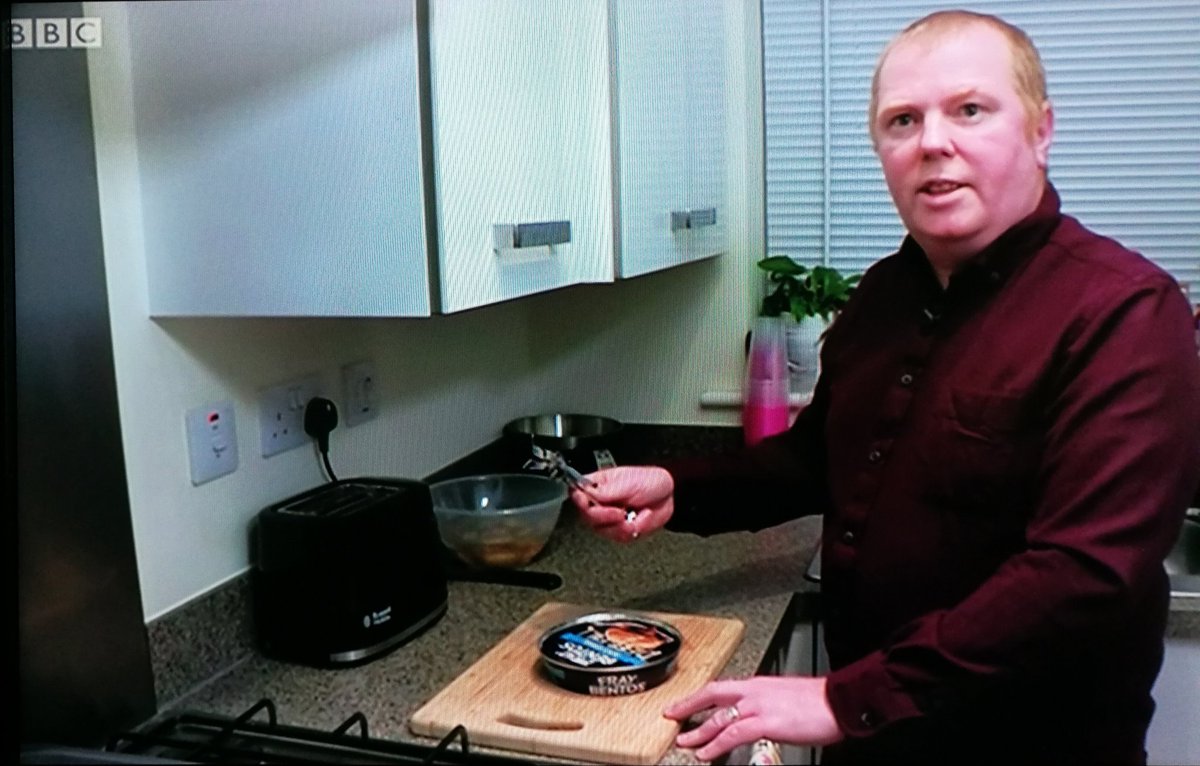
(54, 33)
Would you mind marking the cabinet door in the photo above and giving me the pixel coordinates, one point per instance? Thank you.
(671, 131)
(278, 145)
(521, 136)
(652, 48)
(707, 119)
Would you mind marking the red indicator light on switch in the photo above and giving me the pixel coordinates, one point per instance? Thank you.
(213, 417)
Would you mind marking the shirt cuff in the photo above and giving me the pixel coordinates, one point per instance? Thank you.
(865, 698)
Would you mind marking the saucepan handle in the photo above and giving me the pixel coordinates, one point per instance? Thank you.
(525, 578)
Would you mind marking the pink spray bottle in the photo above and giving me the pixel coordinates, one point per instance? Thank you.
(765, 395)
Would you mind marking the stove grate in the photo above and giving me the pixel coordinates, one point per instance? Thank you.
(204, 738)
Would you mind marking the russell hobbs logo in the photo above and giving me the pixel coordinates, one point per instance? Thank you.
(372, 619)
(54, 33)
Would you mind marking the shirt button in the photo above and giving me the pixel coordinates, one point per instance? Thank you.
(848, 537)
(874, 456)
(906, 380)
(994, 276)
(868, 719)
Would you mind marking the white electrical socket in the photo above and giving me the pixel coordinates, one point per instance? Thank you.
(212, 441)
(281, 414)
(358, 392)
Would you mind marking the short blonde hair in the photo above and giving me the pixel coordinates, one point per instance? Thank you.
(1029, 76)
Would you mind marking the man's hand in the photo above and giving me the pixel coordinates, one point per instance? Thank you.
(626, 502)
(779, 708)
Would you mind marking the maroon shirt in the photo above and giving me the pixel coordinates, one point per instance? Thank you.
(1002, 466)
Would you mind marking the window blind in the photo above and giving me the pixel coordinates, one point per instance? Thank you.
(1124, 78)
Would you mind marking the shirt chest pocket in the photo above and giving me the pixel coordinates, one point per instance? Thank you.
(979, 450)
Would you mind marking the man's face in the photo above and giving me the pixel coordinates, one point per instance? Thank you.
(960, 159)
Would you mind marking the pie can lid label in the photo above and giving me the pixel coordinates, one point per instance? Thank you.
(608, 653)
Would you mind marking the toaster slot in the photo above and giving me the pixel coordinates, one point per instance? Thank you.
(337, 500)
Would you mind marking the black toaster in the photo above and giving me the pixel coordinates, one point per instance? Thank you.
(346, 572)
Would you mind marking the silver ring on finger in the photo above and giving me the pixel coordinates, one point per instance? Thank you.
(732, 714)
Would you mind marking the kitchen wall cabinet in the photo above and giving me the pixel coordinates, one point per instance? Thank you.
(670, 122)
(520, 98)
(278, 154)
(288, 152)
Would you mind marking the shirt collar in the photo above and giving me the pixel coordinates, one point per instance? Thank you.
(993, 265)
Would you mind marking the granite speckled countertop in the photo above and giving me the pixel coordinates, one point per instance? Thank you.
(751, 577)
(1184, 618)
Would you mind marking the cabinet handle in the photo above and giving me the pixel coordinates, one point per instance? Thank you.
(693, 219)
(509, 236)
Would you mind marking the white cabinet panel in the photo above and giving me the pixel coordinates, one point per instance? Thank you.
(520, 103)
(707, 119)
(1174, 736)
(670, 82)
(651, 46)
(278, 146)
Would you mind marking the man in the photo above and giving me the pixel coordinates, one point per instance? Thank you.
(1003, 440)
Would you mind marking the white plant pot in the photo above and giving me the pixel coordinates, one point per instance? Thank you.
(804, 349)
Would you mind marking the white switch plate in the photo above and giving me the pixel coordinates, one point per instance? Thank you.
(212, 441)
(281, 414)
(359, 386)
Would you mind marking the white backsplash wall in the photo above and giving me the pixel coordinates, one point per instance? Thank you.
(642, 350)
(446, 386)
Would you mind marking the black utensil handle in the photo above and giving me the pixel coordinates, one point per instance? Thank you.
(519, 577)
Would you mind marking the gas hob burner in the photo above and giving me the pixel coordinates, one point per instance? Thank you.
(205, 738)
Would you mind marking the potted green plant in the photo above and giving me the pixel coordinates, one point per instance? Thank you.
(820, 291)
(811, 296)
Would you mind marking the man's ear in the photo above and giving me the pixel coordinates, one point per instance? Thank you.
(1043, 134)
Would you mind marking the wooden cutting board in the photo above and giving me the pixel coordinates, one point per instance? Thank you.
(505, 701)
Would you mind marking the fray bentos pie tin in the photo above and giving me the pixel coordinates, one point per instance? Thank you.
(608, 654)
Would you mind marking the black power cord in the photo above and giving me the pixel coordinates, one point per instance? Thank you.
(320, 417)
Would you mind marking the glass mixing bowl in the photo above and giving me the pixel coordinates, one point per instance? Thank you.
(497, 520)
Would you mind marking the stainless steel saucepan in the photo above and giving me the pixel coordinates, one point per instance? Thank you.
(586, 442)
(566, 432)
